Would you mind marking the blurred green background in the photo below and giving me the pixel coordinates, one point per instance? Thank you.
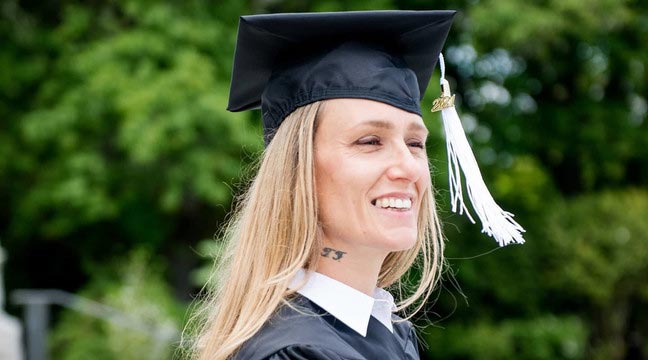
(118, 164)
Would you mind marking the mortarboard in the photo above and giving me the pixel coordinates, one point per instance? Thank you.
(284, 61)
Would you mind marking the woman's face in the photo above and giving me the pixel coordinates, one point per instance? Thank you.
(371, 171)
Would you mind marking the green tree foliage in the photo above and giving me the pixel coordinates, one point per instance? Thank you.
(563, 80)
(598, 261)
(553, 96)
(548, 337)
(115, 125)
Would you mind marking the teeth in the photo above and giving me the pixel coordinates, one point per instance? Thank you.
(395, 203)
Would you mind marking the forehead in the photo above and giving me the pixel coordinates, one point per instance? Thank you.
(344, 114)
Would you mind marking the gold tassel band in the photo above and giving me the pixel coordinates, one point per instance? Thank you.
(443, 102)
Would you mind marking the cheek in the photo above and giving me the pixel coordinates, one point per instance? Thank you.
(425, 175)
(332, 180)
(326, 183)
(424, 181)
(341, 185)
(343, 176)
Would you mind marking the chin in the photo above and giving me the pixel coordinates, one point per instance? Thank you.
(399, 243)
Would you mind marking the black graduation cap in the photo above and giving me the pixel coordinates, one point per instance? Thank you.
(284, 61)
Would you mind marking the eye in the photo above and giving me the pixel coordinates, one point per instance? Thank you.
(368, 140)
(416, 144)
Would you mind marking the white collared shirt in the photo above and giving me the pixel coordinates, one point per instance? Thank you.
(352, 307)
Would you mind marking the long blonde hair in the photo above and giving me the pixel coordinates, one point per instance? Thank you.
(274, 232)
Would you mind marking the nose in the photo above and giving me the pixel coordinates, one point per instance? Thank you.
(404, 165)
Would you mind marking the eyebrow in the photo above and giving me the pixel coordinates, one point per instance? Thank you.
(384, 124)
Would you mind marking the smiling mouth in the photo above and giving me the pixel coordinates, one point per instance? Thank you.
(392, 203)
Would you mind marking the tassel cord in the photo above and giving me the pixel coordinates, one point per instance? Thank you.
(496, 222)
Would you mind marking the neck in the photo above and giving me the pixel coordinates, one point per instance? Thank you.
(355, 268)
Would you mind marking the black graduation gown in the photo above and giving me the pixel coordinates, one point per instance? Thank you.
(316, 335)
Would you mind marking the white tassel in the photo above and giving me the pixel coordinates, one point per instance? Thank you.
(496, 222)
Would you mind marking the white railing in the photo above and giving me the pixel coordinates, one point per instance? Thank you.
(36, 317)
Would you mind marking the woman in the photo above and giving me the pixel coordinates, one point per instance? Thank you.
(342, 204)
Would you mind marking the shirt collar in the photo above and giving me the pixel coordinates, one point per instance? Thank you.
(345, 303)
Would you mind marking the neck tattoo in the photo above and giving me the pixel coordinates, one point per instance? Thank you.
(336, 255)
